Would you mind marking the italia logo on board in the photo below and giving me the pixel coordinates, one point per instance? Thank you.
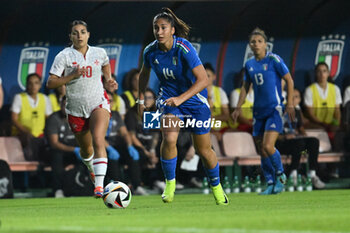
(32, 60)
(330, 51)
(249, 53)
(113, 51)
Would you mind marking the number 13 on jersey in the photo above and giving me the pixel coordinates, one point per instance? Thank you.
(259, 78)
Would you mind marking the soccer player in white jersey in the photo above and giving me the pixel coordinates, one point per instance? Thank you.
(80, 68)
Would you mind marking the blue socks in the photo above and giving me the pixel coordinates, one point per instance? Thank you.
(276, 162)
(213, 175)
(169, 167)
(268, 170)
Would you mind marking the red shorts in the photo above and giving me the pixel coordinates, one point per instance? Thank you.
(79, 124)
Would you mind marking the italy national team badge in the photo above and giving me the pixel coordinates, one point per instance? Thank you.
(174, 61)
(113, 51)
(330, 51)
(249, 53)
(32, 60)
(265, 67)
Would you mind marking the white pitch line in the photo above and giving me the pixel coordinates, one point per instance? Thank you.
(166, 230)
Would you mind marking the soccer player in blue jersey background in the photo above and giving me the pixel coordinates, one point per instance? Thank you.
(183, 96)
(265, 71)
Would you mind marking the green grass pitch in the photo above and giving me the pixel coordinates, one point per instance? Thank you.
(300, 212)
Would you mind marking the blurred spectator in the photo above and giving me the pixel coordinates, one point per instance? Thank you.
(131, 86)
(190, 170)
(245, 119)
(64, 149)
(120, 149)
(29, 111)
(56, 98)
(218, 102)
(146, 142)
(118, 102)
(322, 100)
(1, 94)
(295, 142)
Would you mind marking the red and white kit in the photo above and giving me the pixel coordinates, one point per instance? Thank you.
(86, 93)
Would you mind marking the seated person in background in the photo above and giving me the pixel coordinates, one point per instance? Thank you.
(218, 102)
(118, 102)
(245, 118)
(64, 148)
(56, 97)
(119, 148)
(295, 142)
(322, 100)
(191, 176)
(146, 142)
(29, 111)
(131, 92)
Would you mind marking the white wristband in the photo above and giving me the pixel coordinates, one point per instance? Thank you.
(138, 101)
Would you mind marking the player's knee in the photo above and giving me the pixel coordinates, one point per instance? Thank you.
(268, 148)
(170, 140)
(205, 150)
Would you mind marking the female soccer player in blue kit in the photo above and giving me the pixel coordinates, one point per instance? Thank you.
(264, 71)
(183, 96)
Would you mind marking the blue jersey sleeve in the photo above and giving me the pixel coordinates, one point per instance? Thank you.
(246, 74)
(146, 59)
(280, 66)
(189, 53)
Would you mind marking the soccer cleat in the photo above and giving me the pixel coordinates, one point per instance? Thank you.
(92, 177)
(268, 190)
(219, 195)
(168, 194)
(282, 178)
(98, 192)
(278, 187)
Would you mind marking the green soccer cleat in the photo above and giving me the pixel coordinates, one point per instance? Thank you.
(219, 195)
(168, 194)
(269, 190)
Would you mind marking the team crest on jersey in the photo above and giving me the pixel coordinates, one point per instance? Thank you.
(264, 66)
(330, 51)
(113, 51)
(174, 61)
(249, 53)
(32, 60)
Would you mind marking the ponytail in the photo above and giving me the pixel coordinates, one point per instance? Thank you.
(181, 28)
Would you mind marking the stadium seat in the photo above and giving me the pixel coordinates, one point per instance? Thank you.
(325, 144)
(11, 151)
(215, 144)
(239, 144)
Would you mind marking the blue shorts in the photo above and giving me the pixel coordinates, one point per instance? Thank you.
(187, 114)
(273, 122)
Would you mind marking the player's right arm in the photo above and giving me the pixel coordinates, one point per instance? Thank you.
(143, 82)
(58, 68)
(55, 81)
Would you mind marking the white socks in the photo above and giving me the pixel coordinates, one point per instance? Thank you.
(100, 169)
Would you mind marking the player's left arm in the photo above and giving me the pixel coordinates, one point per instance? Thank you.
(107, 76)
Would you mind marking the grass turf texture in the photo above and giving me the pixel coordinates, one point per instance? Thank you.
(302, 212)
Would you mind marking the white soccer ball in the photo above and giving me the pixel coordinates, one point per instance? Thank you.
(116, 195)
